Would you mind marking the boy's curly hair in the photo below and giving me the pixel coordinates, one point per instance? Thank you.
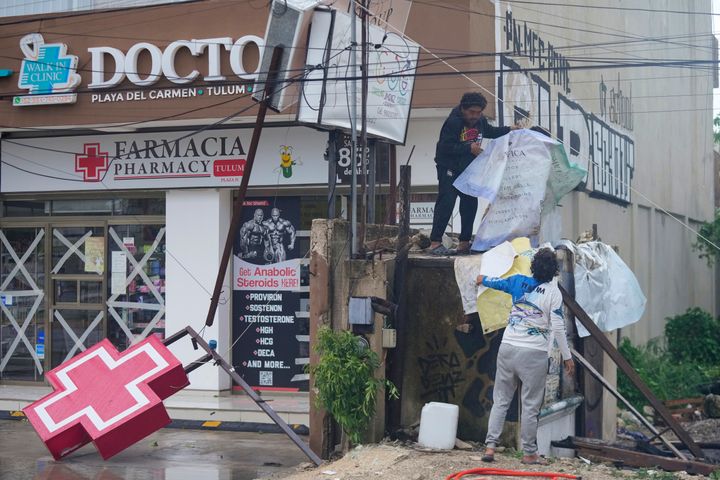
(544, 265)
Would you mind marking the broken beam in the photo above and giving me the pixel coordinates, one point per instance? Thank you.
(212, 354)
(630, 372)
(627, 404)
(634, 459)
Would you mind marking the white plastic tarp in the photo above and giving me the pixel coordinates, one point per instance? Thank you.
(517, 178)
(605, 287)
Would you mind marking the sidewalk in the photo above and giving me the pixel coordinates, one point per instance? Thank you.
(168, 454)
(192, 405)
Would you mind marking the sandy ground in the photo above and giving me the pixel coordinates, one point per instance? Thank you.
(400, 462)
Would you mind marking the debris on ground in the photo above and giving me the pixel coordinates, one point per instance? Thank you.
(711, 406)
(403, 461)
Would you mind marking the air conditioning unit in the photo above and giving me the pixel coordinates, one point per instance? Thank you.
(287, 27)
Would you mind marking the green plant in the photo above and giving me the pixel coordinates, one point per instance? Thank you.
(716, 129)
(345, 380)
(666, 378)
(694, 336)
(708, 237)
(654, 474)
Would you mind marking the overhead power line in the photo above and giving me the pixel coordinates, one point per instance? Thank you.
(589, 5)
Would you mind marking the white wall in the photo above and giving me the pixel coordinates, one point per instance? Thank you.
(197, 225)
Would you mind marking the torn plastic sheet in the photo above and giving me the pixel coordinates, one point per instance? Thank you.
(516, 179)
(605, 287)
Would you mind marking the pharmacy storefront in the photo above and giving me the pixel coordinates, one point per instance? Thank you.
(121, 149)
(122, 240)
(116, 191)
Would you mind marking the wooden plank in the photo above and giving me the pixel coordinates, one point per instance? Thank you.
(396, 356)
(623, 364)
(683, 402)
(636, 459)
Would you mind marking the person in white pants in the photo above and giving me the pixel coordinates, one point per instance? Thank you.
(536, 317)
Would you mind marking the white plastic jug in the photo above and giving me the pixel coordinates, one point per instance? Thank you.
(438, 425)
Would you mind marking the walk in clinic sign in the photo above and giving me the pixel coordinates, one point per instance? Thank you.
(49, 73)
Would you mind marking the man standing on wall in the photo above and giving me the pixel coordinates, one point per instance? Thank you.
(457, 147)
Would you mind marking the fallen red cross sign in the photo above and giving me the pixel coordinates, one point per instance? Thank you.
(112, 399)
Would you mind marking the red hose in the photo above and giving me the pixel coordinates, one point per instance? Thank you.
(509, 473)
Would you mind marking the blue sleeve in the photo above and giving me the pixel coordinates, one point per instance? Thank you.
(502, 284)
(512, 285)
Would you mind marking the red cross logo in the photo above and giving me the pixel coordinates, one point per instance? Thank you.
(92, 162)
(112, 399)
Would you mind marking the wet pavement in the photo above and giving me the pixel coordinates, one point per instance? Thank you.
(170, 454)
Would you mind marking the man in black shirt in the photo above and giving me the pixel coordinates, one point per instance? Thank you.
(457, 147)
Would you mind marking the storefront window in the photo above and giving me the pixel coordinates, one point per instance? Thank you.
(85, 206)
(82, 207)
(24, 208)
(136, 283)
(139, 206)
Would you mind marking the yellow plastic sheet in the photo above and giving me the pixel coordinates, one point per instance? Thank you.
(494, 306)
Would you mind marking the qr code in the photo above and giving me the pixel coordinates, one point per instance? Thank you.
(266, 379)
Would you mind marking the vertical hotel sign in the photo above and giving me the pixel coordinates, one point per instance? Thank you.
(47, 72)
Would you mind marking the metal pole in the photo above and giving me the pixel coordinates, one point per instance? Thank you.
(364, 150)
(397, 355)
(598, 376)
(371, 194)
(242, 191)
(392, 207)
(353, 132)
(332, 171)
(259, 401)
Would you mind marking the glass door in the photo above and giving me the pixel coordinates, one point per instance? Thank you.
(136, 294)
(77, 278)
(22, 303)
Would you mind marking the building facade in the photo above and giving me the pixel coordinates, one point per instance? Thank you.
(125, 135)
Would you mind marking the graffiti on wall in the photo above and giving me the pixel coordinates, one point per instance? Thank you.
(539, 92)
(460, 369)
(440, 371)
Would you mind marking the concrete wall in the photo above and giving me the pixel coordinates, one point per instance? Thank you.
(334, 279)
(444, 365)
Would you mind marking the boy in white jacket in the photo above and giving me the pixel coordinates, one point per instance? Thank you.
(536, 317)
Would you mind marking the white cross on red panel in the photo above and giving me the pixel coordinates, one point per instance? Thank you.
(112, 399)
